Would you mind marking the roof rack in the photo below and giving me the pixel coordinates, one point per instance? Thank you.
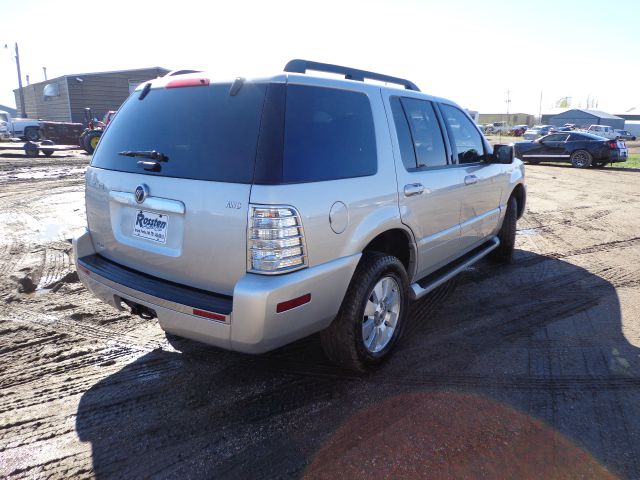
(301, 66)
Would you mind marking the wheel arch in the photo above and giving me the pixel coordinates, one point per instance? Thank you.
(397, 242)
(520, 194)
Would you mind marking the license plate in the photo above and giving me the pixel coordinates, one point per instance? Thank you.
(151, 226)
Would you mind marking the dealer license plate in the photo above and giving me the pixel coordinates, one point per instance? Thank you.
(151, 226)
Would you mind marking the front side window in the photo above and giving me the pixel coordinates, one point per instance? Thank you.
(466, 138)
(425, 131)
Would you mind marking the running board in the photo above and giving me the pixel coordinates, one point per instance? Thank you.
(437, 278)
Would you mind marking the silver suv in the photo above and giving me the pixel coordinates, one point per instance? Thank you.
(247, 214)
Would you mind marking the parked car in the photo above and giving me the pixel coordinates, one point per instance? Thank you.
(267, 210)
(4, 130)
(559, 129)
(625, 135)
(518, 130)
(537, 131)
(581, 149)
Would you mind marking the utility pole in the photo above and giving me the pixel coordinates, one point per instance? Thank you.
(508, 101)
(540, 109)
(22, 109)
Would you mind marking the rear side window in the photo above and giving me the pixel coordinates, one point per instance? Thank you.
(405, 142)
(425, 130)
(329, 134)
(558, 137)
(466, 138)
(205, 133)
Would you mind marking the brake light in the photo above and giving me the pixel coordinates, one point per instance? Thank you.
(188, 82)
(612, 144)
(275, 240)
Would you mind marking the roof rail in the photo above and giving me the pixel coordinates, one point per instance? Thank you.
(301, 66)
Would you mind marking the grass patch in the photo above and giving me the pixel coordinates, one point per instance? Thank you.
(632, 162)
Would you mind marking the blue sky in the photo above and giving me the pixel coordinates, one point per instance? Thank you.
(469, 51)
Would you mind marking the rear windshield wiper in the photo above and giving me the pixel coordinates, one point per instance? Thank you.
(152, 154)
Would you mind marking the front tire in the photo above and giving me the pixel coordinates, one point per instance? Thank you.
(581, 159)
(507, 234)
(372, 315)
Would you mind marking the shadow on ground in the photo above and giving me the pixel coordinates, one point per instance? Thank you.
(518, 372)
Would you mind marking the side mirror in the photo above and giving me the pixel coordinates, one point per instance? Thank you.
(502, 154)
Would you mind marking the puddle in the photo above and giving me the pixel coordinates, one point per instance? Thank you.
(50, 231)
(65, 216)
(35, 173)
(529, 231)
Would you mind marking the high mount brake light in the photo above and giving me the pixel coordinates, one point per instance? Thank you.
(188, 82)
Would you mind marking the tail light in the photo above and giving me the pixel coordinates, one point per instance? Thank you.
(612, 144)
(275, 240)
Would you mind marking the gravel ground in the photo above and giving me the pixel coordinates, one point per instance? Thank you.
(525, 371)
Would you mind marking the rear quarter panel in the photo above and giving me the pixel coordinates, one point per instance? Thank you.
(371, 202)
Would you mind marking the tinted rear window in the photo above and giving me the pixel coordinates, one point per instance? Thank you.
(329, 134)
(206, 133)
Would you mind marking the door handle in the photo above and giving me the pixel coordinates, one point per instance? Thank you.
(470, 179)
(413, 189)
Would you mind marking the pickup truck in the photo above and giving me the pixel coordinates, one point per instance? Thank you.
(625, 135)
(24, 128)
(496, 127)
(603, 131)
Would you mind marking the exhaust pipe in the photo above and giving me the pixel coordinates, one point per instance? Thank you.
(140, 310)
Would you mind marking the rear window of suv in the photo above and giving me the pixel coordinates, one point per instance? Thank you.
(267, 134)
(206, 133)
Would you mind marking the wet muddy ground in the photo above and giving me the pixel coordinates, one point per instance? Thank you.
(525, 371)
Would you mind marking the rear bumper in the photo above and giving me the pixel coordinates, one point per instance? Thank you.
(617, 157)
(246, 322)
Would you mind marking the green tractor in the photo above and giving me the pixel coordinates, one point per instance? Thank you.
(90, 136)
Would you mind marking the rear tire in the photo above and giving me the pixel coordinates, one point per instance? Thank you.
(31, 149)
(372, 315)
(31, 134)
(507, 234)
(91, 140)
(581, 159)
